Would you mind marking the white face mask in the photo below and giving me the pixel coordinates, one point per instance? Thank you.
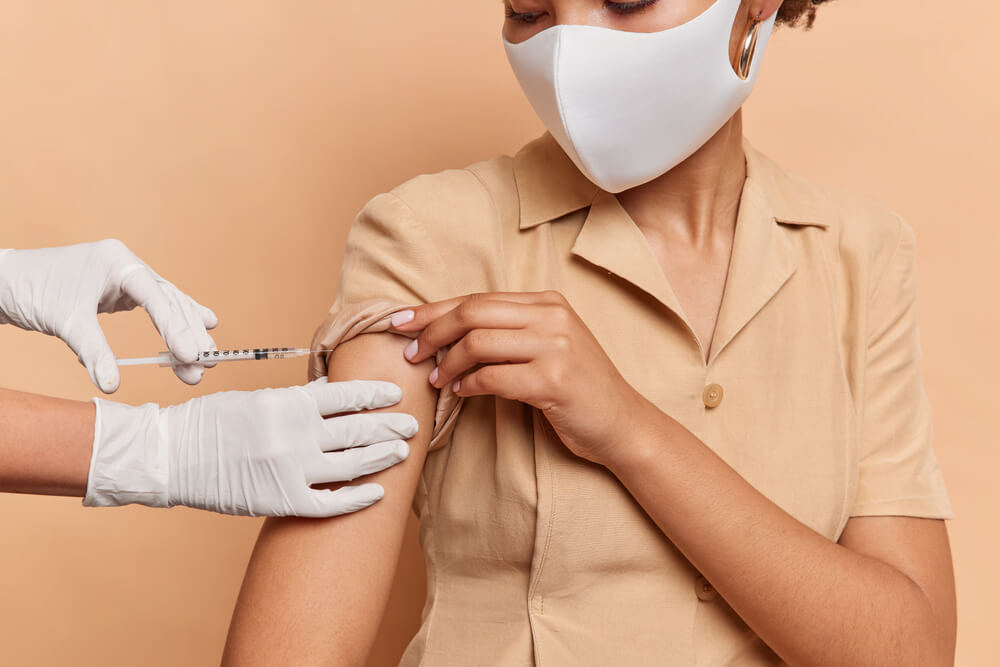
(627, 106)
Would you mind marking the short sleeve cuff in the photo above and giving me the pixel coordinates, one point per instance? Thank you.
(375, 316)
(924, 507)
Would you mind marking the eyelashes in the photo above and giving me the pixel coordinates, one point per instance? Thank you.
(523, 17)
(620, 8)
(629, 7)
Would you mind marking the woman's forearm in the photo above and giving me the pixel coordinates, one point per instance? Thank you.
(811, 600)
(45, 444)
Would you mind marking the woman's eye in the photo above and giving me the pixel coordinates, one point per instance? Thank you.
(617, 7)
(523, 17)
(629, 7)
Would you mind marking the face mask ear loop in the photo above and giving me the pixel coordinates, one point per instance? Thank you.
(749, 46)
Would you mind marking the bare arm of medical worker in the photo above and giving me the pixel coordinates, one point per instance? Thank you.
(314, 591)
(238, 452)
(45, 444)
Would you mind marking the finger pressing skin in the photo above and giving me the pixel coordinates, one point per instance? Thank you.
(335, 397)
(358, 462)
(423, 315)
(486, 346)
(342, 501)
(479, 313)
(368, 428)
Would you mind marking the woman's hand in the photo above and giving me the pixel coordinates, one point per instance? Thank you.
(529, 347)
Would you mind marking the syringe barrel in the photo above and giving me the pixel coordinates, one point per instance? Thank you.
(247, 354)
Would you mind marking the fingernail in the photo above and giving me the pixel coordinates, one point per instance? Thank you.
(455, 385)
(402, 317)
(411, 349)
(434, 375)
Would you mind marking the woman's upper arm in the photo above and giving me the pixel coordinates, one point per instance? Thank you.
(315, 589)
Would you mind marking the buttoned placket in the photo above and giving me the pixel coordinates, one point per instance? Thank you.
(762, 260)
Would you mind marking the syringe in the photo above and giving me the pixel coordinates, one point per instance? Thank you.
(213, 356)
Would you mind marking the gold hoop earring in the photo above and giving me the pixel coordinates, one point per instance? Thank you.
(745, 60)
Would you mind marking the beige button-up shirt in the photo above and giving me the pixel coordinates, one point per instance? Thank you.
(813, 393)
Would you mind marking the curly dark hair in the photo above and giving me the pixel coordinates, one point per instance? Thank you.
(793, 12)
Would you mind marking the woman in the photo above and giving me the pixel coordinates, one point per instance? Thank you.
(682, 420)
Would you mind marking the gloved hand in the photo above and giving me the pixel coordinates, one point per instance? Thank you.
(60, 291)
(250, 453)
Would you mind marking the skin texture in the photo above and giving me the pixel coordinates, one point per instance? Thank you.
(883, 595)
(45, 444)
(315, 589)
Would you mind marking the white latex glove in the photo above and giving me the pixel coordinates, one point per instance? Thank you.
(60, 291)
(250, 453)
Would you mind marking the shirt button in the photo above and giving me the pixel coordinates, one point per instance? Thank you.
(704, 590)
(712, 395)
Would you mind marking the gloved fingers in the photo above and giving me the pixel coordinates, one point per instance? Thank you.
(188, 307)
(368, 428)
(199, 318)
(358, 462)
(207, 316)
(94, 352)
(345, 500)
(142, 285)
(189, 373)
(336, 397)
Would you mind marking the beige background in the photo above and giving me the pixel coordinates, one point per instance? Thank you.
(230, 144)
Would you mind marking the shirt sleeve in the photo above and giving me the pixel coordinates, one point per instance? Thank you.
(390, 255)
(389, 264)
(898, 471)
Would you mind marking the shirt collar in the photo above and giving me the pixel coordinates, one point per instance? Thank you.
(763, 258)
(548, 183)
(550, 186)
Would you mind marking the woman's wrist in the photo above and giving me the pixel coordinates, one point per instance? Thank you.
(640, 440)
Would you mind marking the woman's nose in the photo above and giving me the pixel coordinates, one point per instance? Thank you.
(575, 12)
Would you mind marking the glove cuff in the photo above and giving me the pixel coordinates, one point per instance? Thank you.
(129, 461)
(3, 288)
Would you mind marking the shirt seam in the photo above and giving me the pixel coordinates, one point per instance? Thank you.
(885, 270)
(423, 229)
(496, 216)
(863, 413)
